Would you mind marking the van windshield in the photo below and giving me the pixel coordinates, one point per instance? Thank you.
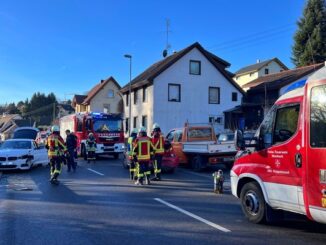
(318, 117)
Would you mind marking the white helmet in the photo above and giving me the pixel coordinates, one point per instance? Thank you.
(155, 125)
(90, 134)
(55, 128)
(134, 131)
(142, 129)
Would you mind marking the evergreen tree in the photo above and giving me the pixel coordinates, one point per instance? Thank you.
(310, 39)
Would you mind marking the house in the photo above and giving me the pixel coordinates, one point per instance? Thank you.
(64, 109)
(252, 72)
(264, 91)
(8, 124)
(103, 97)
(190, 85)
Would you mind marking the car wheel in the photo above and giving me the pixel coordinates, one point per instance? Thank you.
(253, 203)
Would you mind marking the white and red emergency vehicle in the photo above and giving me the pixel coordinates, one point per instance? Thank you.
(107, 129)
(284, 168)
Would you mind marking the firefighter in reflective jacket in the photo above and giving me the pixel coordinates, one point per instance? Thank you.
(158, 142)
(91, 147)
(143, 152)
(56, 150)
(131, 141)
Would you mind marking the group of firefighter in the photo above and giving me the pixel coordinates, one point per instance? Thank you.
(142, 150)
(60, 152)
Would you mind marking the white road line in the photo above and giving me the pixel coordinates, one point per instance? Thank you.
(92, 170)
(192, 215)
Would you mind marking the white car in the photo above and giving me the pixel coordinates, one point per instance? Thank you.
(22, 154)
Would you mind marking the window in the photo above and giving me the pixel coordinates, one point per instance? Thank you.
(266, 71)
(79, 124)
(174, 92)
(286, 123)
(251, 73)
(144, 121)
(127, 99)
(318, 116)
(135, 122)
(211, 119)
(170, 136)
(266, 128)
(111, 93)
(106, 108)
(127, 124)
(195, 67)
(178, 136)
(135, 96)
(213, 95)
(219, 120)
(144, 94)
(234, 96)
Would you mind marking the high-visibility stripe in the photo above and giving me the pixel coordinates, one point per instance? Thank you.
(159, 147)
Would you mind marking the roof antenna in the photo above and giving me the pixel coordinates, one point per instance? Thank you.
(168, 46)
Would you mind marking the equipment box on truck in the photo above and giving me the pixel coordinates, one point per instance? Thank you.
(285, 168)
(197, 146)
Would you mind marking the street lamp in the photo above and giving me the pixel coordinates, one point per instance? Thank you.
(128, 56)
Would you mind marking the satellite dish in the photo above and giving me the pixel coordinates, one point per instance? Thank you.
(165, 53)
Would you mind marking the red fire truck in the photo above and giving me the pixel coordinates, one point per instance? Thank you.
(107, 129)
(284, 166)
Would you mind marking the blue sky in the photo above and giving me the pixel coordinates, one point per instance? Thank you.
(67, 46)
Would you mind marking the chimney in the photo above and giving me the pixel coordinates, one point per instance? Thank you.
(258, 61)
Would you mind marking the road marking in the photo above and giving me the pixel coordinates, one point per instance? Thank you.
(192, 215)
(92, 170)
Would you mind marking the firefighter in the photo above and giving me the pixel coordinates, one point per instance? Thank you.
(71, 143)
(143, 152)
(56, 150)
(158, 142)
(131, 141)
(91, 148)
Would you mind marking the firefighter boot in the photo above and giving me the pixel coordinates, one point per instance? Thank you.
(139, 181)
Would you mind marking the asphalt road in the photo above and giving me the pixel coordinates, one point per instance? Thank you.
(99, 205)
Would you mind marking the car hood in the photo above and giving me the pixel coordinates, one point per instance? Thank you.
(14, 152)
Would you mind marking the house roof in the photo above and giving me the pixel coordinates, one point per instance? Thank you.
(85, 99)
(66, 107)
(258, 66)
(98, 87)
(157, 68)
(281, 79)
(78, 99)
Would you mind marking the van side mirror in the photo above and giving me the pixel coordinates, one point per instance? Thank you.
(238, 140)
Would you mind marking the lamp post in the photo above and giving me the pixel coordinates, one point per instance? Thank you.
(128, 56)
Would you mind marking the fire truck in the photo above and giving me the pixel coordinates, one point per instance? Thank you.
(107, 129)
(283, 168)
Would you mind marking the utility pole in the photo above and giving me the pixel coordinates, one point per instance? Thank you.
(53, 113)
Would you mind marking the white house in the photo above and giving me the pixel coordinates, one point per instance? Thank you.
(190, 85)
(261, 68)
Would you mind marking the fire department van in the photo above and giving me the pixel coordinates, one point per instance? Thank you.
(107, 129)
(284, 168)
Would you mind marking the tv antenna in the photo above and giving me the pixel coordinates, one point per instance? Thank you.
(167, 45)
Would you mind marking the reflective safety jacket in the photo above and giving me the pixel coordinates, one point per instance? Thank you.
(143, 149)
(55, 145)
(158, 142)
(91, 144)
(131, 141)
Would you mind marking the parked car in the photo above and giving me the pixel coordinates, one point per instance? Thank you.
(26, 133)
(22, 154)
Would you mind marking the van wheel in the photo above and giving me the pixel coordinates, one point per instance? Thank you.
(83, 152)
(253, 203)
(196, 163)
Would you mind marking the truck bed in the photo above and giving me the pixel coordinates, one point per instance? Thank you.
(207, 147)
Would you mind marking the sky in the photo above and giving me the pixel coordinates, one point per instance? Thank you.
(67, 46)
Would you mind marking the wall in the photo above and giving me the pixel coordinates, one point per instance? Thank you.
(194, 105)
(101, 98)
(246, 78)
(273, 67)
(140, 108)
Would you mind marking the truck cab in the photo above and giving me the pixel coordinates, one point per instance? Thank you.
(283, 167)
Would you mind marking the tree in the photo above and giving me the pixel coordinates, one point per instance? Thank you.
(310, 39)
